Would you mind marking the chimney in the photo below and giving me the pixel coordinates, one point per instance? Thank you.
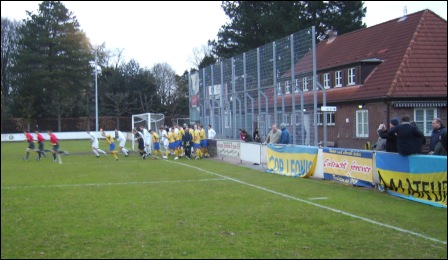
(405, 14)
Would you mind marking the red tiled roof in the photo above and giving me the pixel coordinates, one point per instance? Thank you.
(413, 51)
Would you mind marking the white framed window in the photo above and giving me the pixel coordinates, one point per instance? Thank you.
(297, 86)
(327, 80)
(305, 83)
(423, 118)
(351, 76)
(362, 123)
(283, 118)
(330, 118)
(279, 89)
(287, 88)
(338, 78)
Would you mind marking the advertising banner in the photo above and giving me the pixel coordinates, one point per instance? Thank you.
(420, 178)
(296, 161)
(349, 166)
(230, 149)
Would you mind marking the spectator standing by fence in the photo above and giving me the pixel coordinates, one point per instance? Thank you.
(284, 137)
(408, 137)
(241, 134)
(440, 148)
(211, 132)
(256, 136)
(391, 140)
(437, 127)
(273, 135)
(247, 137)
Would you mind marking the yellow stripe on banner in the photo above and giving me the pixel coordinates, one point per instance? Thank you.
(426, 186)
(292, 164)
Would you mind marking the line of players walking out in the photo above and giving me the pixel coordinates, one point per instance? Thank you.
(54, 141)
(177, 141)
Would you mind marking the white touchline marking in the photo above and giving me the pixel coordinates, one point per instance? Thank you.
(320, 198)
(107, 184)
(317, 205)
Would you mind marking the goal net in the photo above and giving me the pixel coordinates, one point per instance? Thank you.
(149, 121)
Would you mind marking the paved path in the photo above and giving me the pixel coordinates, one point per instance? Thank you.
(258, 167)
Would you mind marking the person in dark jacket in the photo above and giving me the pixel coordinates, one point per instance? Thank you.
(443, 140)
(187, 142)
(437, 127)
(247, 136)
(422, 140)
(441, 145)
(256, 136)
(284, 137)
(407, 137)
(391, 140)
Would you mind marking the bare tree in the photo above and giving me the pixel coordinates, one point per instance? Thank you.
(114, 58)
(199, 53)
(10, 37)
(27, 109)
(165, 81)
(119, 104)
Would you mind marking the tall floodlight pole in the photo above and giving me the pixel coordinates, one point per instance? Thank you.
(96, 91)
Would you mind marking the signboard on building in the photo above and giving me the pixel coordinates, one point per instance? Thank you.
(327, 109)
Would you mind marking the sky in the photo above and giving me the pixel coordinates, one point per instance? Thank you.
(152, 32)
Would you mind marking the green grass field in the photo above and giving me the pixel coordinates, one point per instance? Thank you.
(91, 207)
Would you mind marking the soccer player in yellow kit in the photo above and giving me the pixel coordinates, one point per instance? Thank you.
(180, 133)
(203, 141)
(172, 144)
(178, 142)
(156, 142)
(197, 143)
(110, 140)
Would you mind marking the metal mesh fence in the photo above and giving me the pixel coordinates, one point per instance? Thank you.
(256, 89)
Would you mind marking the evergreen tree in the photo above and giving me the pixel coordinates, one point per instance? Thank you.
(53, 61)
(345, 16)
(207, 61)
(256, 23)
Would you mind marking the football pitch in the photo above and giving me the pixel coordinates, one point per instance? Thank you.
(90, 207)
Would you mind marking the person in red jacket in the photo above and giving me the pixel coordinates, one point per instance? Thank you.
(40, 141)
(29, 139)
(55, 143)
